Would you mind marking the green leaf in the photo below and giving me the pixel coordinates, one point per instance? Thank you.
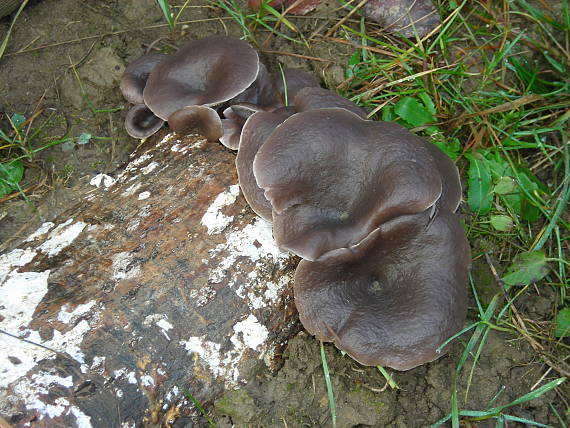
(479, 195)
(388, 114)
(505, 186)
(562, 323)
(526, 268)
(413, 112)
(555, 64)
(428, 102)
(502, 223)
(451, 148)
(354, 59)
(167, 12)
(84, 138)
(17, 120)
(11, 173)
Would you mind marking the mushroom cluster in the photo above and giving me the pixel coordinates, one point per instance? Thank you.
(203, 79)
(367, 205)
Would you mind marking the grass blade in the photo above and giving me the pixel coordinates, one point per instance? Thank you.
(7, 37)
(329, 385)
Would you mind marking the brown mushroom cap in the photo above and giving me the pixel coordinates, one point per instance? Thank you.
(231, 132)
(197, 119)
(140, 122)
(203, 72)
(261, 92)
(254, 133)
(314, 98)
(332, 178)
(135, 77)
(295, 80)
(235, 117)
(396, 298)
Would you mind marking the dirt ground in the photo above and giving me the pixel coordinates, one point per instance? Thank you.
(65, 59)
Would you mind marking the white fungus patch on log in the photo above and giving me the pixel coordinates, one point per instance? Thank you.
(67, 316)
(214, 219)
(144, 195)
(20, 294)
(249, 334)
(102, 180)
(124, 266)
(61, 237)
(15, 259)
(42, 230)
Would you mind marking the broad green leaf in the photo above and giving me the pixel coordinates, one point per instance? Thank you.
(11, 173)
(479, 195)
(413, 112)
(555, 64)
(167, 12)
(502, 223)
(562, 323)
(505, 186)
(428, 102)
(451, 148)
(526, 269)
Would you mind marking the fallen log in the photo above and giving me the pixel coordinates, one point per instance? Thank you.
(160, 281)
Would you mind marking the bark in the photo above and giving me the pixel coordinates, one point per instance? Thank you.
(162, 282)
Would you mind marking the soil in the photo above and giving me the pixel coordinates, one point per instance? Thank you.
(65, 59)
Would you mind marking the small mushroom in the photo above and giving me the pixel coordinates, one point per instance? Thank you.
(396, 297)
(292, 81)
(254, 133)
(332, 178)
(141, 123)
(198, 119)
(312, 98)
(235, 117)
(261, 92)
(205, 72)
(135, 77)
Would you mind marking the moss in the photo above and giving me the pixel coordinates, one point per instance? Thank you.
(239, 405)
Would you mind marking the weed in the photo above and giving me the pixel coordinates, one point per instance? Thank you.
(26, 139)
(266, 17)
(170, 18)
(199, 407)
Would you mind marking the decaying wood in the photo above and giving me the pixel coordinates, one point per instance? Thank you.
(161, 282)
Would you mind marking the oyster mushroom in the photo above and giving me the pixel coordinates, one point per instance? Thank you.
(141, 123)
(135, 77)
(393, 299)
(199, 119)
(313, 98)
(332, 178)
(291, 82)
(205, 72)
(254, 133)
